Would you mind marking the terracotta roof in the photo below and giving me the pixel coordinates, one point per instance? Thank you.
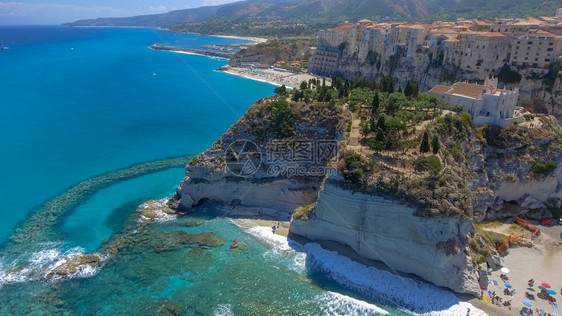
(542, 33)
(467, 89)
(482, 23)
(490, 34)
(364, 21)
(439, 89)
(344, 27)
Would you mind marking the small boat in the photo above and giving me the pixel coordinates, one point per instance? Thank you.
(4, 47)
(154, 74)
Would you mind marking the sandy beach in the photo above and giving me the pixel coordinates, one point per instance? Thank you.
(290, 80)
(246, 38)
(540, 260)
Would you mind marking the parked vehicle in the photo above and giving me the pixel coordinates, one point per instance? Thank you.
(546, 222)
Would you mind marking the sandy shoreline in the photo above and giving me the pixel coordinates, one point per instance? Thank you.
(278, 78)
(246, 38)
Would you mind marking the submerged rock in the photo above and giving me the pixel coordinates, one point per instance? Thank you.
(203, 239)
(194, 223)
(234, 244)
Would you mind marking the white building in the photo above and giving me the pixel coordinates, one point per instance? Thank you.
(559, 13)
(485, 103)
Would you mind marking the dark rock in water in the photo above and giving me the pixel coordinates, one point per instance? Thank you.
(203, 239)
(174, 202)
(167, 308)
(193, 223)
(73, 264)
(234, 244)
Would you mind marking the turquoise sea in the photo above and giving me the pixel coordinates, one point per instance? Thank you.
(94, 124)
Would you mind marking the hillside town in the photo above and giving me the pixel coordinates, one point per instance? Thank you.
(478, 48)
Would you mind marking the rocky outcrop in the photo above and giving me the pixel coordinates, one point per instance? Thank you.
(503, 182)
(248, 173)
(72, 265)
(381, 228)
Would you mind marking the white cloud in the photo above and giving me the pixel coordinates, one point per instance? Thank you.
(216, 2)
(158, 8)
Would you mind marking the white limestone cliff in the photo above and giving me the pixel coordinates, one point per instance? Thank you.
(382, 228)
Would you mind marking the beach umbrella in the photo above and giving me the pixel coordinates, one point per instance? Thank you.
(527, 303)
(551, 292)
(542, 288)
(507, 285)
(546, 285)
(504, 270)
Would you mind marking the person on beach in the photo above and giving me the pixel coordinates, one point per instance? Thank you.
(273, 228)
(468, 312)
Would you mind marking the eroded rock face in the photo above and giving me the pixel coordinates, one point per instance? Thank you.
(383, 229)
(265, 190)
(502, 181)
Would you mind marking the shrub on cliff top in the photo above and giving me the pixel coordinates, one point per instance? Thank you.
(430, 163)
(303, 211)
(357, 169)
(544, 168)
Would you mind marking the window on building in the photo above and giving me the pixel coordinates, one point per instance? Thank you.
(517, 47)
(529, 43)
(550, 44)
(547, 60)
(550, 49)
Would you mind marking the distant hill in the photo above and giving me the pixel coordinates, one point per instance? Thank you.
(491, 9)
(277, 9)
(336, 11)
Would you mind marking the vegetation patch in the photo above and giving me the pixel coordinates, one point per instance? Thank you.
(544, 168)
(303, 211)
(429, 163)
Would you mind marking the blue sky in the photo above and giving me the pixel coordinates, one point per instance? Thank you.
(59, 11)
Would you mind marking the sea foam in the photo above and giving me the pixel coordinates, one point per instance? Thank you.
(37, 265)
(425, 299)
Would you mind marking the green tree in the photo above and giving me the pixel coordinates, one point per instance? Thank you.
(412, 89)
(395, 102)
(435, 145)
(507, 75)
(387, 85)
(282, 90)
(376, 103)
(424, 146)
(365, 127)
(304, 85)
(296, 95)
(376, 145)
